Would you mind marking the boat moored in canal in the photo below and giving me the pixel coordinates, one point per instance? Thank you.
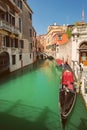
(67, 94)
(67, 100)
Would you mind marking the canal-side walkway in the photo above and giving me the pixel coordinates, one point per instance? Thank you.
(81, 83)
(84, 85)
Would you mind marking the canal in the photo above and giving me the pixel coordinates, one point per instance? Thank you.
(29, 100)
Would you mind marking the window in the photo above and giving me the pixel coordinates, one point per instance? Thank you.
(21, 44)
(20, 57)
(84, 56)
(10, 18)
(16, 43)
(30, 55)
(7, 41)
(59, 37)
(2, 15)
(0, 41)
(7, 16)
(12, 42)
(30, 16)
(20, 24)
(13, 21)
(14, 1)
(13, 59)
(4, 41)
(30, 33)
(31, 46)
(20, 4)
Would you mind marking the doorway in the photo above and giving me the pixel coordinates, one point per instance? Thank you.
(83, 53)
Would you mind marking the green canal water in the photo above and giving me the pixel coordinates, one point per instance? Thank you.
(29, 100)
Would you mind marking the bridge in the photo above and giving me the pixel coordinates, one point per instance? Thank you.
(50, 56)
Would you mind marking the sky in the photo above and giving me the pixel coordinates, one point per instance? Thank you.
(48, 12)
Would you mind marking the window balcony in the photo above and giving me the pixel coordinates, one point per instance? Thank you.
(13, 5)
(7, 27)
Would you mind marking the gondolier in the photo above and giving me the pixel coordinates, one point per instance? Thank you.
(67, 79)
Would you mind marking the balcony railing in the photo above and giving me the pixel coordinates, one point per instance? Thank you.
(14, 5)
(80, 30)
(6, 26)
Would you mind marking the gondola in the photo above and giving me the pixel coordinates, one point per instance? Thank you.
(67, 101)
(67, 98)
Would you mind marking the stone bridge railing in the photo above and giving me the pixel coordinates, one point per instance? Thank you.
(45, 54)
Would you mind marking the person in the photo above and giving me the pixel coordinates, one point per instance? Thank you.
(81, 69)
(76, 69)
(67, 79)
(67, 66)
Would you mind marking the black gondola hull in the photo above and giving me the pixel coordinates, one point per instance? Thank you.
(67, 100)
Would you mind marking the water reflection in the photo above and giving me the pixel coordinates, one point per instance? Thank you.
(29, 98)
(23, 117)
(78, 116)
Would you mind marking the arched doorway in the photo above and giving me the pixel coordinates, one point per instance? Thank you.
(83, 53)
(4, 62)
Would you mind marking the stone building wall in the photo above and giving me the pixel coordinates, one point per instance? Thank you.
(65, 52)
(26, 22)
